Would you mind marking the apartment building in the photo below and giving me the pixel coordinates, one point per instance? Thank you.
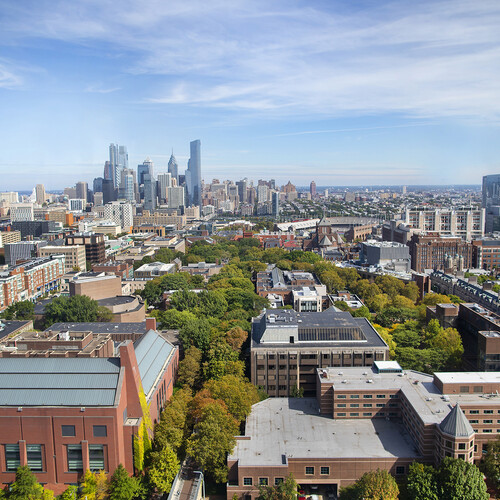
(463, 222)
(288, 346)
(94, 245)
(31, 280)
(74, 255)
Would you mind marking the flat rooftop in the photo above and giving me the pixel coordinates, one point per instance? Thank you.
(99, 327)
(468, 377)
(296, 430)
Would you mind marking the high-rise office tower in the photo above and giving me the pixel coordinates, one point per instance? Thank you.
(276, 204)
(491, 202)
(127, 184)
(118, 159)
(262, 193)
(173, 168)
(312, 189)
(175, 197)
(81, 190)
(108, 173)
(145, 168)
(97, 185)
(242, 190)
(150, 197)
(164, 182)
(40, 194)
(108, 191)
(193, 174)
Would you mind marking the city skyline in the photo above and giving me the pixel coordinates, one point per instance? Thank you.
(400, 93)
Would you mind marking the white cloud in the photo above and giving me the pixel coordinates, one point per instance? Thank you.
(423, 59)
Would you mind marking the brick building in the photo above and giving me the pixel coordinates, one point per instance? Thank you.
(65, 416)
(94, 245)
(363, 419)
(486, 254)
(437, 253)
(31, 280)
(287, 347)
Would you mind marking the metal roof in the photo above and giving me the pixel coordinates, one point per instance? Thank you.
(151, 351)
(58, 381)
(456, 424)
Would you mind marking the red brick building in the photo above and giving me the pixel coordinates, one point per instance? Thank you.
(64, 416)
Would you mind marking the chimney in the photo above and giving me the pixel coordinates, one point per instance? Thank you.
(150, 324)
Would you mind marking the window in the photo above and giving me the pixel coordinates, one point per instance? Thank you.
(367, 396)
(247, 481)
(367, 414)
(96, 457)
(400, 469)
(325, 470)
(380, 405)
(478, 388)
(341, 396)
(340, 414)
(74, 453)
(100, 431)
(487, 431)
(34, 453)
(263, 481)
(354, 414)
(462, 456)
(474, 412)
(278, 480)
(461, 446)
(474, 421)
(281, 387)
(354, 396)
(12, 457)
(354, 405)
(487, 421)
(341, 405)
(488, 412)
(380, 396)
(464, 388)
(310, 471)
(68, 431)
(367, 405)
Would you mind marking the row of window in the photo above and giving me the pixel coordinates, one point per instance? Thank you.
(264, 481)
(97, 430)
(36, 463)
(367, 414)
(473, 421)
(366, 396)
(486, 412)
(367, 405)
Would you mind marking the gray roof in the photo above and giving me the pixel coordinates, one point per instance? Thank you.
(10, 326)
(97, 327)
(58, 381)
(152, 352)
(456, 423)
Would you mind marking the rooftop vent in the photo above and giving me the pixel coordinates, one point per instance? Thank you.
(369, 381)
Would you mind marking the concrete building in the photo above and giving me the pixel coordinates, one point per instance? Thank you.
(36, 228)
(397, 231)
(74, 255)
(77, 204)
(81, 191)
(175, 197)
(22, 251)
(65, 416)
(94, 245)
(287, 347)
(363, 419)
(41, 197)
(309, 299)
(21, 212)
(95, 285)
(486, 254)
(154, 270)
(121, 269)
(11, 197)
(395, 256)
(121, 213)
(491, 202)
(164, 182)
(463, 222)
(125, 308)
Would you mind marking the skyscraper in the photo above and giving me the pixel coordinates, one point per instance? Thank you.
(118, 159)
(127, 184)
(175, 197)
(146, 168)
(40, 194)
(491, 202)
(164, 182)
(173, 168)
(276, 204)
(312, 189)
(150, 197)
(81, 191)
(193, 174)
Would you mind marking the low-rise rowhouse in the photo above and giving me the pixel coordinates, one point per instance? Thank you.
(63, 416)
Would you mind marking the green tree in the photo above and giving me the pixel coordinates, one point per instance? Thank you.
(25, 485)
(378, 485)
(431, 299)
(184, 300)
(237, 393)
(164, 467)
(70, 493)
(490, 464)
(78, 309)
(212, 303)
(284, 490)
(23, 310)
(459, 479)
(190, 368)
(212, 439)
(422, 482)
(121, 485)
(197, 332)
(88, 485)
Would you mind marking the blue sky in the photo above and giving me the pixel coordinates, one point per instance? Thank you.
(342, 92)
